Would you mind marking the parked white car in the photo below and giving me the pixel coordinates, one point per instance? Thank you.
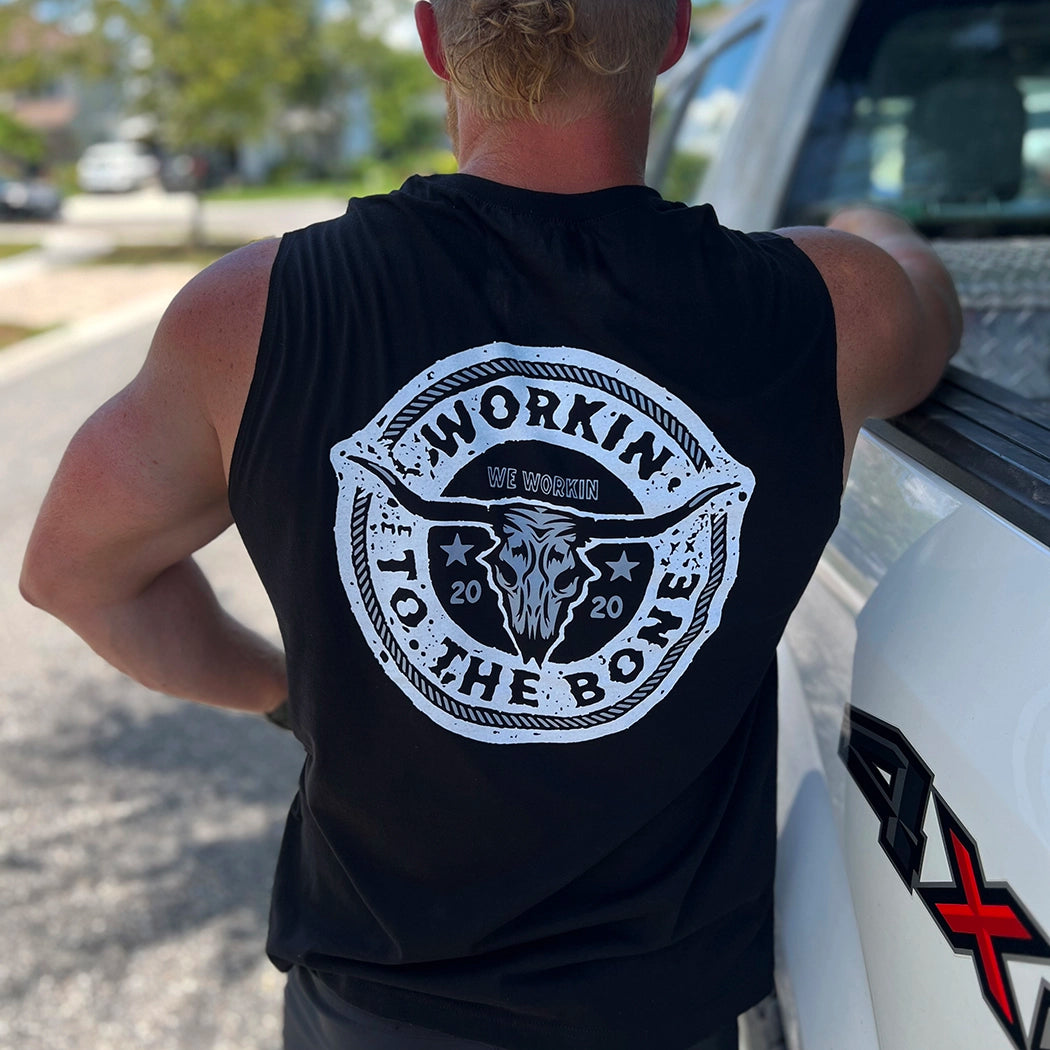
(116, 167)
(914, 814)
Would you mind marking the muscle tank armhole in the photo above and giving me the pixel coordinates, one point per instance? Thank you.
(265, 364)
(815, 290)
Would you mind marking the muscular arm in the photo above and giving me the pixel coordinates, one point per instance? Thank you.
(143, 485)
(897, 316)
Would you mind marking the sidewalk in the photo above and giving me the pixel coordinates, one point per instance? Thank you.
(53, 286)
(73, 304)
(45, 297)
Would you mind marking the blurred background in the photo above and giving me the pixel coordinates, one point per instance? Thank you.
(220, 96)
(215, 93)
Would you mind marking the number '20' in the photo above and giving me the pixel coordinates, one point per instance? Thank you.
(606, 608)
(466, 592)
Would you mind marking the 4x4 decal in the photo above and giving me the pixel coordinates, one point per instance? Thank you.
(982, 919)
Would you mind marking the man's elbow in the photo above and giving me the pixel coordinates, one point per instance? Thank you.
(34, 584)
(43, 581)
(28, 590)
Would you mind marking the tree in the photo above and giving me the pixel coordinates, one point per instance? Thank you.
(21, 144)
(33, 54)
(25, 61)
(399, 85)
(209, 74)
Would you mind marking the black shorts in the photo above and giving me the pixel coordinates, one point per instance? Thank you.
(315, 1018)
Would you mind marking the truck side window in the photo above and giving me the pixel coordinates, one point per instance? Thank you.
(708, 116)
(941, 111)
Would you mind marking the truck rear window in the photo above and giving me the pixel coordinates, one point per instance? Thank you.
(941, 111)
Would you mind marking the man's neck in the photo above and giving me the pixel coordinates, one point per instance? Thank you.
(592, 153)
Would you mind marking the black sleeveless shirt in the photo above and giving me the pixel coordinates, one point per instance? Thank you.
(533, 482)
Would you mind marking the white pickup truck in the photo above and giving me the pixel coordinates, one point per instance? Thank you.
(914, 860)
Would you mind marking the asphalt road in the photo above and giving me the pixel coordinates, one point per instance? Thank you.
(137, 832)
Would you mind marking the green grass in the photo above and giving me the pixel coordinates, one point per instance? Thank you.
(283, 191)
(145, 254)
(8, 250)
(373, 177)
(15, 333)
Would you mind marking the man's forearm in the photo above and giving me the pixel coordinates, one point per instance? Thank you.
(175, 637)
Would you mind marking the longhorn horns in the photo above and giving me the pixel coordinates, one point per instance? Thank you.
(601, 528)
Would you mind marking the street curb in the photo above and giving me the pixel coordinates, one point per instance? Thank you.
(27, 356)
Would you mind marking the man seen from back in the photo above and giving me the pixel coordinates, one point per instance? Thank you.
(534, 466)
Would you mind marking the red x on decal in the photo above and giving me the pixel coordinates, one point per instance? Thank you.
(984, 920)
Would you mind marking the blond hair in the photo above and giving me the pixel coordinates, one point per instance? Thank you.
(516, 59)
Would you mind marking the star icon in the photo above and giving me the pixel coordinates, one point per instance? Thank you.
(456, 551)
(621, 569)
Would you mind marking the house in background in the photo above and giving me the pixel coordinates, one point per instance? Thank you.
(63, 109)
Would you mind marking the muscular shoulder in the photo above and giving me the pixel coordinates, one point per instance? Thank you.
(209, 336)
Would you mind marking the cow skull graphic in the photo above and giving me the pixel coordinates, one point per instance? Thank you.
(537, 563)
